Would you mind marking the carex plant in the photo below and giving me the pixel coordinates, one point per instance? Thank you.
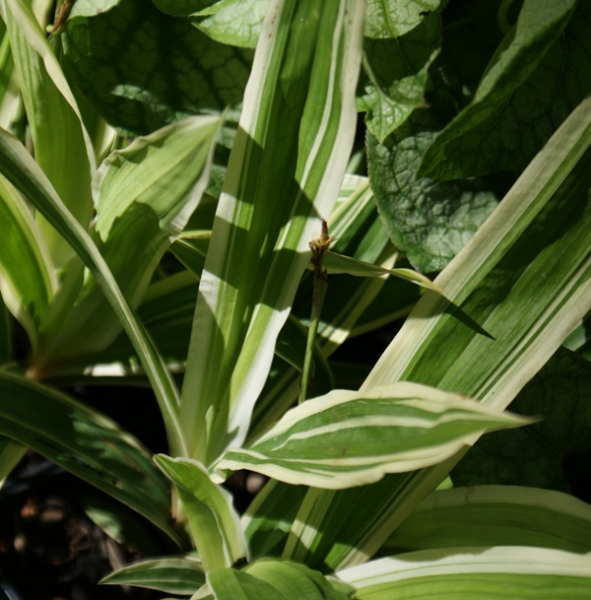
(224, 133)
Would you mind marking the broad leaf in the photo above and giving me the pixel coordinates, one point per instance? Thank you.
(428, 219)
(537, 76)
(561, 394)
(346, 439)
(86, 443)
(393, 18)
(520, 286)
(229, 584)
(237, 22)
(302, 84)
(173, 575)
(497, 516)
(397, 74)
(141, 69)
(22, 171)
(479, 573)
(214, 523)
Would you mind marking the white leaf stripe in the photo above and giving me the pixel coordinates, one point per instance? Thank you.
(428, 563)
(349, 438)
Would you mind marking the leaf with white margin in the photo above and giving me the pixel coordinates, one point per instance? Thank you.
(347, 439)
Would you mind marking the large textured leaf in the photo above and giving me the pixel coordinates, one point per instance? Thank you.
(142, 69)
(346, 438)
(86, 443)
(302, 85)
(177, 575)
(478, 573)
(561, 393)
(537, 76)
(27, 277)
(237, 22)
(22, 171)
(214, 523)
(397, 73)
(145, 195)
(428, 219)
(393, 18)
(62, 145)
(524, 279)
(497, 516)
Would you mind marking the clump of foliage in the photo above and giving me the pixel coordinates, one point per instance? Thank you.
(223, 132)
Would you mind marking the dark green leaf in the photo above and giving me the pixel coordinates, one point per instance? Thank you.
(539, 73)
(397, 71)
(86, 443)
(141, 69)
(532, 456)
(428, 219)
(184, 8)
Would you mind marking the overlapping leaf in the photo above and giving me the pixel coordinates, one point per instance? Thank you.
(141, 69)
(518, 288)
(302, 84)
(537, 76)
(482, 573)
(85, 443)
(212, 519)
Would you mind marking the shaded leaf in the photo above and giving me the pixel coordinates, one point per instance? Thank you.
(561, 394)
(538, 75)
(141, 69)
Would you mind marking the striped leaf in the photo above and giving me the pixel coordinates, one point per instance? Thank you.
(27, 278)
(347, 439)
(214, 523)
(86, 443)
(144, 195)
(495, 515)
(302, 85)
(177, 575)
(476, 573)
(525, 280)
(23, 172)
(63, 148)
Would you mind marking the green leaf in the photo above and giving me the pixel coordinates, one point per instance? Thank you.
(537, 76)
(184, 8)
(291, 578)
(22, 171)
(173, 575)
(495, 516)
(63, 148)
(394, 18)
(338, 263)
(561, 394)
(524, 279)
(428, 219)
(478, 573)
(5, 332)
(86, 443)
(302, 84)
(27, 278)
(237, 22)
(269, 518)
(229, 584)
(397, 71)
(141, 69)
(213, 521)
(348, 438)
(11, 453)
(145, 195)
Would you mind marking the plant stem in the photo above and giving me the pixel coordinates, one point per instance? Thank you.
(319, 248)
